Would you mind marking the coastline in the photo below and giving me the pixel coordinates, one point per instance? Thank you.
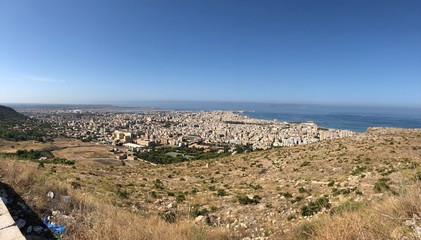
(357, 119)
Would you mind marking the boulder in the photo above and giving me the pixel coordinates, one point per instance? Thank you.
(200, 219)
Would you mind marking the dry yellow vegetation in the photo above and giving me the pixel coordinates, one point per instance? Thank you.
(368, 187)
(90, 218)
(396, 217)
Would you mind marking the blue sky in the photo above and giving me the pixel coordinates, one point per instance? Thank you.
(329, 52)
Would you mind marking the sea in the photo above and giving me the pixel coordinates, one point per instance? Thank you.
(354, 118)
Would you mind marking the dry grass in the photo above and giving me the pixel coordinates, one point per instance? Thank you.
(386, 219)
(11, 146)
(353, 165)
(63, 148)
(92, 219)
(112, 223)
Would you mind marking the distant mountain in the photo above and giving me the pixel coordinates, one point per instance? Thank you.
(17, 127)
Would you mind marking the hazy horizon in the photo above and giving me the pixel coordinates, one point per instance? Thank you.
(157, 103)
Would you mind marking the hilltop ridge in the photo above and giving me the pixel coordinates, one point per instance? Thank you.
(10, 116)
(16, 126)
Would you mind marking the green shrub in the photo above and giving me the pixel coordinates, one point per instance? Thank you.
(40, 165)
(180, 197)
(221, 193)
(63, 161)
(244, 200)
(358, 170)
(313, 207)
(343, 191)
(331, 183)
(256, 187)
(169, 217)
(153, 194)
(305, 163)
(302, 190)
(382, 185)
(158, 184)
(297, 199)
(286, 195)
(122, 193)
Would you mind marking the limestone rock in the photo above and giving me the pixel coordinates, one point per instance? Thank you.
(199, 219)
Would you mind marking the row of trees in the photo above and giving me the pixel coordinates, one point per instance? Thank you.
(32, 155)
(167, 155)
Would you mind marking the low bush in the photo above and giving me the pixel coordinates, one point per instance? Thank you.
(245, 200)
(382, 185)
(313, 207)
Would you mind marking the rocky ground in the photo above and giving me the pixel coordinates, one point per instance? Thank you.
(25, 218)
(257, 195)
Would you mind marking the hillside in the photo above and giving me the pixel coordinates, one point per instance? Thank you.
(18, 127)
(10, 116)
(364, 187)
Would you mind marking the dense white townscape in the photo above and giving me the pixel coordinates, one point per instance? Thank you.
(177, 128)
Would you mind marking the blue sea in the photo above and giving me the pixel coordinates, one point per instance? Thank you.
(355, 118)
